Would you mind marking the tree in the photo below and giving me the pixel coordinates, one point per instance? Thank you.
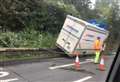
(15, 13)
(83, 7)
(110, 13)
(115, 22)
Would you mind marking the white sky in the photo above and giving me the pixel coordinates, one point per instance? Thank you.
(93, 4)
(93, 1)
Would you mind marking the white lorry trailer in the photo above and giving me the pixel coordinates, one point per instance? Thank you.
(78, 35)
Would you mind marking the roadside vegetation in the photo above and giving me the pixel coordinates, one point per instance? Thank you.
(36, 23)
(25, 56)
(27, 39)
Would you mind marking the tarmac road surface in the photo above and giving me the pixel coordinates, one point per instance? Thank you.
(56, 70)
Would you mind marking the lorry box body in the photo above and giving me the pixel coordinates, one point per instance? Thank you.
(79, 35)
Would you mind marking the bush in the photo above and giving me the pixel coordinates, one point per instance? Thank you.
(27, 38)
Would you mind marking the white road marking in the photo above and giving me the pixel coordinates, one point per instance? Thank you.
(61, 66)
(83, 79)
(3, 74)
(89, 59)
(67, 65)
(8, 80)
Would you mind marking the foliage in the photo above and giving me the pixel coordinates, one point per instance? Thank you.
(35, 23)
(82, 6)
(15, 15)
(110, 13)
(27, 38)
(115, 22)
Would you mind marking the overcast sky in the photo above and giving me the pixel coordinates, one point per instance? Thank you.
(93, 4)
(93, 1)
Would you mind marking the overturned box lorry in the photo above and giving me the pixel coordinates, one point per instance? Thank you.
(79, 35)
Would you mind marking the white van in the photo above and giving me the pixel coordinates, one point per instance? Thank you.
(78, 35)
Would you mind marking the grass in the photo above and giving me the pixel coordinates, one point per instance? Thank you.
(26, 39)
(25, 55)
(8, 58)
(29, 39)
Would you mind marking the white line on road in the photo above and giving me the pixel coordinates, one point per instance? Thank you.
(61, 66)
(3, 74)
(89, 59)
(67, 65)
(8, 80)
(83, 79)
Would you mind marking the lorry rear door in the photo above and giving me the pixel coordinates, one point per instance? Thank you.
(70, 34)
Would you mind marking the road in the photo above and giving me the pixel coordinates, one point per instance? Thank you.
(56, 70)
